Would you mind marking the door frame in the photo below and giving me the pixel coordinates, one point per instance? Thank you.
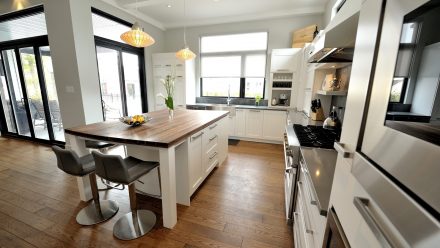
(35, 43)
(120, 48)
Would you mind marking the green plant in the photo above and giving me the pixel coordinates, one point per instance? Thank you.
(257, 99)
(168, 83)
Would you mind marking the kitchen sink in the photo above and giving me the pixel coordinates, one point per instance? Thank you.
(230, 108)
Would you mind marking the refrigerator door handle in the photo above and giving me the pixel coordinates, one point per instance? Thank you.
(362, 205)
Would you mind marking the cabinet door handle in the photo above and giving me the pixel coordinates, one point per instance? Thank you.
(213, 155)
(196, 137)
(339, 147)
(213, 126)
(301, 192)
(211, 139)
(362, 205)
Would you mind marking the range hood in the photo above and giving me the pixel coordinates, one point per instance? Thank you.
(336, 43)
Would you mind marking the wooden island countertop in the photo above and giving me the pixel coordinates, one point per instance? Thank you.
(160, 131)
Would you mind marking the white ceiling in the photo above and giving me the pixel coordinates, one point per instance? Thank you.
(204, 12)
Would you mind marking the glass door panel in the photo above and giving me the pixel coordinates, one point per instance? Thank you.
(33, 91)
(132, 83)
(6, 101)
(109, 78)
(54, 107)
(17, 98)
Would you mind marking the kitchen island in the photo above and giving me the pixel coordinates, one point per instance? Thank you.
(191, 144)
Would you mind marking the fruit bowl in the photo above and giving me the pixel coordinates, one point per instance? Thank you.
(135, 120)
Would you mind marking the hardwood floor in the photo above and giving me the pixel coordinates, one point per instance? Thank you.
(241, 204)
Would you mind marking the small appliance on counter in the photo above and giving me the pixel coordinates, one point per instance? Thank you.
(283, 100)
(317, 114)
(332, 122)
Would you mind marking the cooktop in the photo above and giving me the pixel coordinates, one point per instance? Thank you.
(316, 136)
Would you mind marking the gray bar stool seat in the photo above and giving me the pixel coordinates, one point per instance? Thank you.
(103, 147)
(97, 211)
(126, 171)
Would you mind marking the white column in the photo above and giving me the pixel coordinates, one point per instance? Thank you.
(70, 31)
(168, 185)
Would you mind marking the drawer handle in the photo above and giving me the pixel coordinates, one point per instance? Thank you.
(196, 137)
(339, 147)
(213, 126)
(309, 190)
(213, 155)
(253, 110)
(362, 205)
(211, 139)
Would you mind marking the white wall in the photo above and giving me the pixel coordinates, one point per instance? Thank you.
(280, 34)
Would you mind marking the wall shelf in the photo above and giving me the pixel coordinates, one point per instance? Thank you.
(281, 88)
(332, 93)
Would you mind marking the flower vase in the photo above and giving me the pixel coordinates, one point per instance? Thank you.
(170, 113)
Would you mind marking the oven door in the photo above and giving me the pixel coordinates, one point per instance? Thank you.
(408, 151)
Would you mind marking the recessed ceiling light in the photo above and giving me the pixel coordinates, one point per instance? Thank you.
(169, 6)
(216, 1)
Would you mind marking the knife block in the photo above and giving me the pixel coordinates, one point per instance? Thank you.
(318, 115)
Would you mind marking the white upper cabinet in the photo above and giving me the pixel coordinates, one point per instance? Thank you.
(284, 60)
(167, 64)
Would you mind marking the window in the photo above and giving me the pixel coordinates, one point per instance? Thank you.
(233, 64)
(398, 89)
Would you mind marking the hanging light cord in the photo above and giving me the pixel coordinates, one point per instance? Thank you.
(184, 23)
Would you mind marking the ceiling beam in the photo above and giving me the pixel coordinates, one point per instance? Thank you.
(143, 3)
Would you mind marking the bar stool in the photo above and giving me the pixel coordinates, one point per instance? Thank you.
(126, 171)
(103, 147)
(98, 210)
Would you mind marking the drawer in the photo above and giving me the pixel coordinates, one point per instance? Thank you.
(210, 139)
(317, 221)
(212, 158)
(305, 218)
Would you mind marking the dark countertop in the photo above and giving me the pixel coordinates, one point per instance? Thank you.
(243, 106)
(320, 165)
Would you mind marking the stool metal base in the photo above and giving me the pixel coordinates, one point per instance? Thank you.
(92, 214)
(134, 225)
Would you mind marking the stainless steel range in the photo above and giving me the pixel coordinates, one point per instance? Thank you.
(295, 137)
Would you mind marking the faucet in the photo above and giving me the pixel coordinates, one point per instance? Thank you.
(228, 101)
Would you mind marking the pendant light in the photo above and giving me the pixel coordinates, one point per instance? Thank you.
(185, 53)
(136, 36)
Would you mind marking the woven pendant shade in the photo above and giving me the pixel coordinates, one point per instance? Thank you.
(137, 37)
(185, 54)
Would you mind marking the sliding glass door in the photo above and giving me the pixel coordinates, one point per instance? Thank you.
(28, 94)
(120, 76)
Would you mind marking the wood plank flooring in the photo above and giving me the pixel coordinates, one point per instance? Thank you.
(241, 204)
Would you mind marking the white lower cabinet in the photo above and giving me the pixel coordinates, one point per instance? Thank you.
(195, 160)
(258, 124)
(240, 123)
(254, 123)
(274, 123)
(197, 157)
